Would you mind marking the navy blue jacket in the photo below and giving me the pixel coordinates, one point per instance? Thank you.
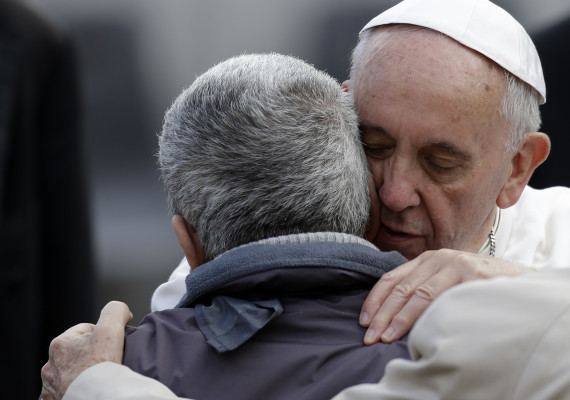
(268, 321)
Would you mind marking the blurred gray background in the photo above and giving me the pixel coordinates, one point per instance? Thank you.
(136, 56)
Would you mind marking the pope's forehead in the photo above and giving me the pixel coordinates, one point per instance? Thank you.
(430, 84)
(427, 58)
(427, 48)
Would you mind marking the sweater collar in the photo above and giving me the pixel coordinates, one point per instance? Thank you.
(313, 252)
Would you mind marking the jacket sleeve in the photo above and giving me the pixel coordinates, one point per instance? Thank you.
(111, 381)
(501, 338)
(505, 338)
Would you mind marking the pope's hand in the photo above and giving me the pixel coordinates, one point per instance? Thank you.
(403, 294)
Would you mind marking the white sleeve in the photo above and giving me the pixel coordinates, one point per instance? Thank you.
(497, 339)
(168, 294)
(111, 381)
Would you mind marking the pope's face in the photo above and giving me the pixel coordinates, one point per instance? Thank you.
(435, 142)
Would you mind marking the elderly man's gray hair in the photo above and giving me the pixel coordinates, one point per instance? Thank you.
(261, 146)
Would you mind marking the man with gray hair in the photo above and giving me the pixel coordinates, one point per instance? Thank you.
(265, 174)
(262, 146)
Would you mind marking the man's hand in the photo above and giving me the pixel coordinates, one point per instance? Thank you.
(83, 346)
(402, 295)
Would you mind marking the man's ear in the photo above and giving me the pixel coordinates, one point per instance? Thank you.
(345, 86)
(189, 242)
(532, 153)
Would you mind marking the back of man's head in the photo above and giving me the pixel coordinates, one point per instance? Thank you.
(262, 146)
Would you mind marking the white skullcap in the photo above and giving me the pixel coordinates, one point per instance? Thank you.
(479, 25)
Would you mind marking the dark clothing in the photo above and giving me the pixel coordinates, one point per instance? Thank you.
(46, 278)
(311, 348)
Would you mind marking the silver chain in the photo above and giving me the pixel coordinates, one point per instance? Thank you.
(492, 242)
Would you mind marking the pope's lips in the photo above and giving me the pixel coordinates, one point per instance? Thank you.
(391, 237)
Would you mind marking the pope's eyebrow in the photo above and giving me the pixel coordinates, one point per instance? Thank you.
(446, 146)
(453, 150)
(369, 128)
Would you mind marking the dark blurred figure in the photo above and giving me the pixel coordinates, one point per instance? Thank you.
(553, 45)
(47, 277)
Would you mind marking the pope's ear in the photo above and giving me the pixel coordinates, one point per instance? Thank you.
(345, 86)
(533, 151)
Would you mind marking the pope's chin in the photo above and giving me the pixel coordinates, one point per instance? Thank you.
(410, 246)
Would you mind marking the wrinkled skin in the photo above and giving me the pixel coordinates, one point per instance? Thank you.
(436, 147)
(83, 346)
(402, 295)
